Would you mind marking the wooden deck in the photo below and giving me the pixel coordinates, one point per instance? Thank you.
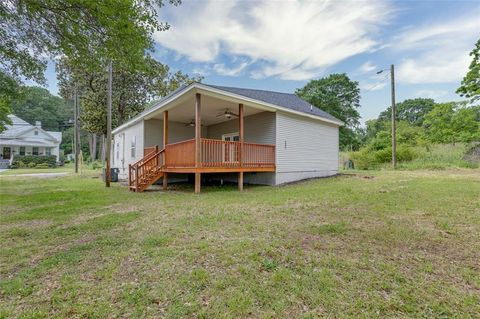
(216, 156)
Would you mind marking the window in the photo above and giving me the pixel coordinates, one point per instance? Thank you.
(36, 132)
(22, 150)
(35, 151)
(133, 146)
(48, 151)
(118, 150)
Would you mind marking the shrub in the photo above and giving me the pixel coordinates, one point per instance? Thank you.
(96, 165)
(31, 165)
(42, 165)
(26, 160)
(367, 158)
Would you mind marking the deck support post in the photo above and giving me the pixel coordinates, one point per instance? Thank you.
(240, 151)
(198, 142)
(240, 181)
(165, 142)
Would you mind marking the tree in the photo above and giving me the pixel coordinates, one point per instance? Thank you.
(411, 110)
(339, 96)
(466, 124)
(470, 87)
(37, 104)
(133, 89)
(453, 122)
(9, 90)
(88, 33)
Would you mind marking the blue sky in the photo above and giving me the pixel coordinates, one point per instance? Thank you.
(281, 45)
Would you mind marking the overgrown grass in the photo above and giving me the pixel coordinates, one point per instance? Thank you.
(439, 156)
(431, 157)
(386, 244)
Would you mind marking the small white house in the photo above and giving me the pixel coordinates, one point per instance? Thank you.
(23, 138)
(227, 133)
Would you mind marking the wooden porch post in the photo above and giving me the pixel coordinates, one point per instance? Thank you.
(240, 151)
(198, 144)
(165, 142)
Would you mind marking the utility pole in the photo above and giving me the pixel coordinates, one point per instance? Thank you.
(75, 128)
(394, 137)
(109, 127)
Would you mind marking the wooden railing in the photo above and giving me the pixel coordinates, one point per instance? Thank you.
(217, 153)
(148, 150)
(258, 155)
(181, 154)
(140, 170)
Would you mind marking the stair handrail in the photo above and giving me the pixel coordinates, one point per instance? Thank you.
(142, 167)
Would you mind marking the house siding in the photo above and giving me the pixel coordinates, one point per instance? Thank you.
(305, 148)
(122, 143)
(258, 128)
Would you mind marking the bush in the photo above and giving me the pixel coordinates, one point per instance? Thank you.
(31, 165)
(367, 158)
(42, 165)
(33, 160)
(96, 165)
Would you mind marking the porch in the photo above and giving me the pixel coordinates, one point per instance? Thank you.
(200, 155)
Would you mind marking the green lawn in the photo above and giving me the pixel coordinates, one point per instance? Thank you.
(373, 244)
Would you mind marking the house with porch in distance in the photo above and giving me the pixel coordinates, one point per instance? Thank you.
(206, 132)
(22, 138)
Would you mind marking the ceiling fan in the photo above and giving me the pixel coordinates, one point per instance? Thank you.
(191, 123)
(227, 113)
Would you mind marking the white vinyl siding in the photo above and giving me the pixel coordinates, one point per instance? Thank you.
(306, 148)
(258, 128)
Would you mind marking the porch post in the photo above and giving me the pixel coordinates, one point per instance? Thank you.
(198, 144)
(165, 142)
(240, 151)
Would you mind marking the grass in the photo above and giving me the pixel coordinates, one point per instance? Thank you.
(67, 168)
(386, 244)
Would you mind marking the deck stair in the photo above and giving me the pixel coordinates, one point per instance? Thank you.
(147, 170)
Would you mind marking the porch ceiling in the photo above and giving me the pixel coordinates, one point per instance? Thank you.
(212, 110)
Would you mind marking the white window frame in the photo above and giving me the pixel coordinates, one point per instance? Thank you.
(133, 147)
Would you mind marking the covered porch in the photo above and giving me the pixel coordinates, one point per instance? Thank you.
(205, 134)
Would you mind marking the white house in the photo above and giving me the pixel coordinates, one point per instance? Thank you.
(23, 138)
(227, 133)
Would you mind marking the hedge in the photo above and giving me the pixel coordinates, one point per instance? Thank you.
(33, 160)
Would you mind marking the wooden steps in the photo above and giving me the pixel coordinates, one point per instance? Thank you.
(146, 171)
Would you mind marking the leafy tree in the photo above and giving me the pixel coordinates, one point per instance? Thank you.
(470, 87)
(9, 90)
(453, 122)
(88, 33)
(466, 124)
(339, 96)
(411, 110)
(133, 89)
(37, 104)
(437, 124)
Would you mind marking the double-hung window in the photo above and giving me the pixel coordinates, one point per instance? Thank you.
(133, 146)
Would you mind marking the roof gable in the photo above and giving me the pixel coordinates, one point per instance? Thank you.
(286, 100)
(282, 101)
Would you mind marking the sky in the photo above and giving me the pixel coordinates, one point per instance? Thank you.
(281, 45)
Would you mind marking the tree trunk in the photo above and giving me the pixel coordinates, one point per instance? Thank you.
(103, 148)
(90, 145)
(93, 154)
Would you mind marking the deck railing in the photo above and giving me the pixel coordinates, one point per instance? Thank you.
(218, 153)
(181, 154)
(141, 169)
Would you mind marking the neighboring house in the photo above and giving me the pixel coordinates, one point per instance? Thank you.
(22, 138)
(228, 134)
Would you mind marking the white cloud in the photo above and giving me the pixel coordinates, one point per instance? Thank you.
(288, 39)
(438, 52)
(368, 67)
(221, 69)
(432, 94)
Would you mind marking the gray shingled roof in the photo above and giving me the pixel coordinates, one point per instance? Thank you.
(287, 100)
